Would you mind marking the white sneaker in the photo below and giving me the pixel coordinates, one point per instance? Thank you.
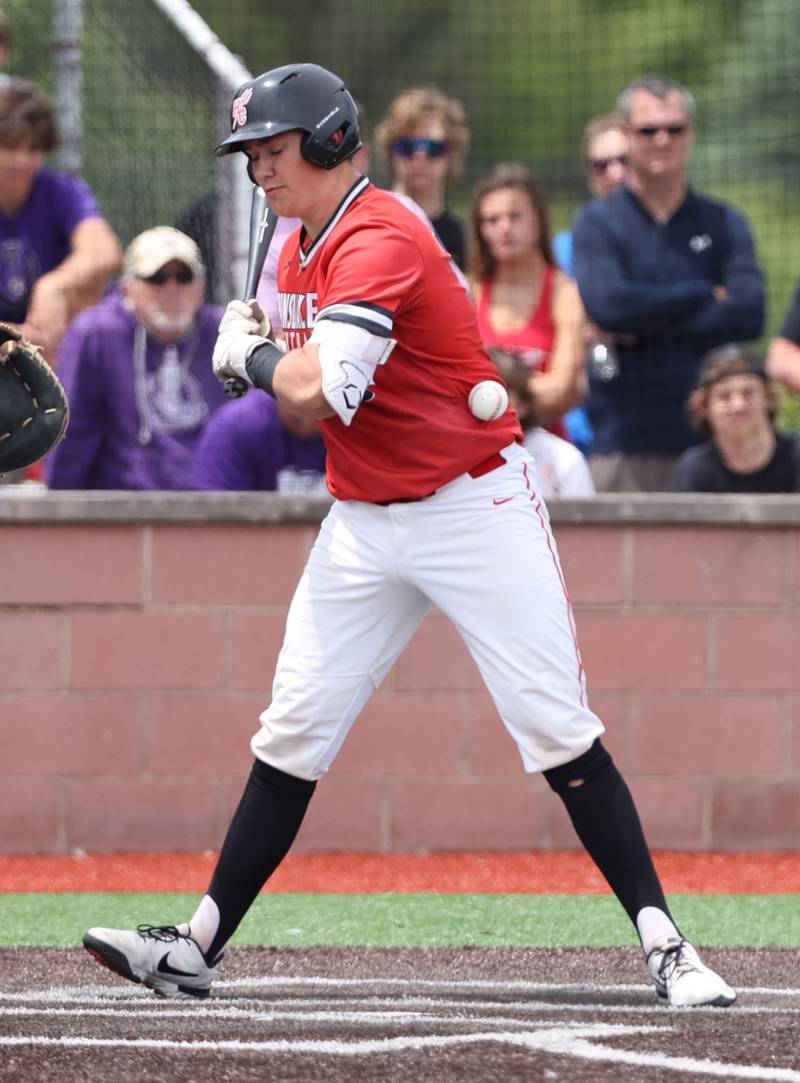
(682, 979)
(161, 957)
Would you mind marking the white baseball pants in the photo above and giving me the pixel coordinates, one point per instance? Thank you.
(480, 549)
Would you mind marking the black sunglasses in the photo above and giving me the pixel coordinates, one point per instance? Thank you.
(184, 276)
(600, 165)
(407, 148)
(650, 131)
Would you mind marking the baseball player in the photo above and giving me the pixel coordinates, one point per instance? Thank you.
(433, 506)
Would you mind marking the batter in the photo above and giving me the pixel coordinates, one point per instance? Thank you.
(432, 506)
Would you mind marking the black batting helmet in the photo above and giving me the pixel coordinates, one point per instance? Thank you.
(303, 96)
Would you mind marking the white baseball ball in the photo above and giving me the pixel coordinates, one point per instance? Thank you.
(488, 400)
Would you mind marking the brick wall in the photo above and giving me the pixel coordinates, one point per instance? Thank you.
(138, 637)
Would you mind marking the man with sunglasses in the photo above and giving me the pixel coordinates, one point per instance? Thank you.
(669, 274)
(137, 370)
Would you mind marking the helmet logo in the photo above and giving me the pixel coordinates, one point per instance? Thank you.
(239, 110)
(327, 117)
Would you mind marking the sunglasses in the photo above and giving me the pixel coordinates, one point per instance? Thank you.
(650, 132)
(431, 148)
(600, 166)
(184, 277)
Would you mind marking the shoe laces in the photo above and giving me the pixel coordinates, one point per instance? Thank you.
(675, 961)
(168, 934)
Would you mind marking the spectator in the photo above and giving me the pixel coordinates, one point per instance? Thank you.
(671, 274)
(562, 469)
(605, 154)
(783, 356)
(137, 370)
(524, 301)
(424, 137)
(56, 252)
(734, 406)
(256, 444)
(198, 220)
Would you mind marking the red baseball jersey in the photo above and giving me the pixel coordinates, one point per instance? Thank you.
(376, 264)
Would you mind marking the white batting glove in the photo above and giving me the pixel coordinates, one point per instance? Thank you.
(242, 329)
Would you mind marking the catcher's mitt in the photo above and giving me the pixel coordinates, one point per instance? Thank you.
(33, 405)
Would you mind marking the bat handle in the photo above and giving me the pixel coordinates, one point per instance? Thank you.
(235, 387)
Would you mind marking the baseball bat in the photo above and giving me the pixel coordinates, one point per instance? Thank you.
(262, 227)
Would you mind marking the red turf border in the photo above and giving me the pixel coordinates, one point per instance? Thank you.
(548, 872)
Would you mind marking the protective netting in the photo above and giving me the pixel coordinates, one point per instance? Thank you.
(529, 73)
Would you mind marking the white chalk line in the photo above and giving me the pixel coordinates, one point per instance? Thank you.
(369, 1007)
(456, 986)
(563, 1041)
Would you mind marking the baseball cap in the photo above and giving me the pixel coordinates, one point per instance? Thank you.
(729, 360)
(148, 252)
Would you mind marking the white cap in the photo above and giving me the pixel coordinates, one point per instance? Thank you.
(154, 248)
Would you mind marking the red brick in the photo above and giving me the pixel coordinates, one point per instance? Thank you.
(345, 814)
(711, 566)
(593, 559)
(712, 735)
(227, 564)
(71, 735)
(110, 814)
(408, 735)
(67, 564)
(755, 814)
(672, 811)
(436, 659)
(30, 815)
(557, 832)
(256, 640)
(468, 815)
(643, 650)
(32, 651)
(758, 651)
(613, 709)
(208, 735)
(147, 650)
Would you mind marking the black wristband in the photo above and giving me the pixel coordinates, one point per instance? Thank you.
(261, 365)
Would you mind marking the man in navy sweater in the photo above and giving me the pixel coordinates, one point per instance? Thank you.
(668, 274)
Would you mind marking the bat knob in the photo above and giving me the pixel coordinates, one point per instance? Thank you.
(235, 387)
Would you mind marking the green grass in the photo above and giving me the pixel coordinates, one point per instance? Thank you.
(409, 920)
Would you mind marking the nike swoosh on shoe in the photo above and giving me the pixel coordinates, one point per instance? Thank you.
(164, 968)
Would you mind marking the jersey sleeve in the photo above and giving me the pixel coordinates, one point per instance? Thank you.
(76, 202)
(374, 274)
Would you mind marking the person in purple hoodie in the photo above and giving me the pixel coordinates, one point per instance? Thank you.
(57, 253)
(252, 443)
(137, 371)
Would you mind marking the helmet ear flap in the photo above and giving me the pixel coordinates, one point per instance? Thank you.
(250, 170)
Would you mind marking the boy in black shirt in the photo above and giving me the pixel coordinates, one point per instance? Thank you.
(734, 404)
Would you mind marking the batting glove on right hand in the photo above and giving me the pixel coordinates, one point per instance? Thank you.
(242, 329)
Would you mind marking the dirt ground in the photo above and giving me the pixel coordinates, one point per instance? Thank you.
(472, 1016)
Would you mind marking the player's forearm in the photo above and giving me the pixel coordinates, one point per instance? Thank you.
(297, 384)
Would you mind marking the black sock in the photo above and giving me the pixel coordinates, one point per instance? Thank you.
(261, 832)
(602, 811)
